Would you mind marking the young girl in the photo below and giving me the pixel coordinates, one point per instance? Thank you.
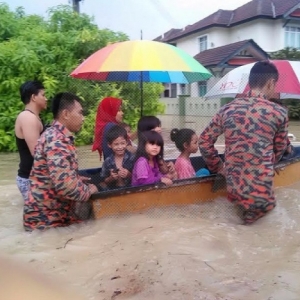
(146, 168)
(186, 142)
(147, 123)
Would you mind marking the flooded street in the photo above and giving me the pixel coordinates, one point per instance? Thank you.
(193, 252)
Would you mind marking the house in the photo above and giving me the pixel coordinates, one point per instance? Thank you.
(230, 38)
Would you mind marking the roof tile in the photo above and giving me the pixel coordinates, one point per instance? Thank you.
(248, 11)
(215, 56)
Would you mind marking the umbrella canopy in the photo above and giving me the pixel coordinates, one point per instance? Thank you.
(144, 61)
(235, 82)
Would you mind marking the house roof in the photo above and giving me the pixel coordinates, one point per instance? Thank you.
(271, 9)
(169, 34)
(221, 56)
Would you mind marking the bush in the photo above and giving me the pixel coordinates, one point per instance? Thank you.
(32, 47)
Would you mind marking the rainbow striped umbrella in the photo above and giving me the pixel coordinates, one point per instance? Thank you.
(141, 60)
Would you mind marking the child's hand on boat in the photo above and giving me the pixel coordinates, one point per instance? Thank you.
(171, 167)
(166, 181)
(163, 166)
(172, 170)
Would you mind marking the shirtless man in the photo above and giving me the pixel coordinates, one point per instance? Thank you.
(28, 127)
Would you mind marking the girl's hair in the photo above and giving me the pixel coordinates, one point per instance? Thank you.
(151, 137)
(147, 123)
(181, 136)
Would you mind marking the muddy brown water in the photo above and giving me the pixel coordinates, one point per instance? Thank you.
(192, 252)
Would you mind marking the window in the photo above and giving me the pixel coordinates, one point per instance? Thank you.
(292, 37)
(173, 90)
(185, 89)
(203, 43)
(182, 89)
(202, 88)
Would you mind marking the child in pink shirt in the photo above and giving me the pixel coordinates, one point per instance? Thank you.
(186, 141)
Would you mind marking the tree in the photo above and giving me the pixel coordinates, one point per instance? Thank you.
(286, 53)
(48, 49)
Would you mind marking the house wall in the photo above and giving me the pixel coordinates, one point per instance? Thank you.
(194, 106)
(190, 44)
(216, 37)
(199, 113)
(219, 37)
(268, 34)
(192, 89)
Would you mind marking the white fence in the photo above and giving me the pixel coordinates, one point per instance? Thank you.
(193, 106)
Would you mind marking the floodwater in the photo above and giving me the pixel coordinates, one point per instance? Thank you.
(193, 252)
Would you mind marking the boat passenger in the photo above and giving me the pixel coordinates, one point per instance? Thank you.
(131, 146)
(290, 151)
(116, 169)
(148, 156)
(255, 131)
(147, 123)
(28, 128)
(109, 113)
(187, 142)
(56, 188)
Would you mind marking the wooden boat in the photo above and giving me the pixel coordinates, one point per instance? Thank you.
(182, 192)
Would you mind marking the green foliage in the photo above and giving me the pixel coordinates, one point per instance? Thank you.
(286, 53)
(130, 93)
(293, 108)
(48, 49)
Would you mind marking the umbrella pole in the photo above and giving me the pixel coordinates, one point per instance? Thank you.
(142, 94)
(141, 85)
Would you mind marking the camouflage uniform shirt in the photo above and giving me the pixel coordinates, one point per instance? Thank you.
(55, 184)
(255, 132)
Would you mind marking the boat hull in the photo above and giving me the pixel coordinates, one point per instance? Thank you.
(184, 192)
